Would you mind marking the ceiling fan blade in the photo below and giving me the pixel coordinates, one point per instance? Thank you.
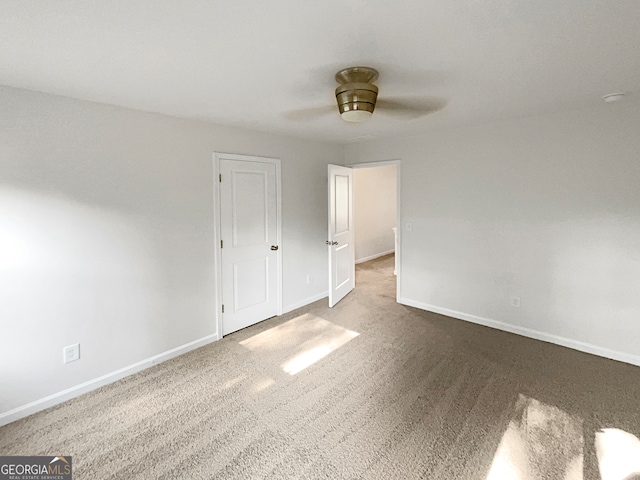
(410, 107)
(311, 113)
(397, 77)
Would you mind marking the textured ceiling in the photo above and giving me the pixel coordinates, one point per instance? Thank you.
(255, 64)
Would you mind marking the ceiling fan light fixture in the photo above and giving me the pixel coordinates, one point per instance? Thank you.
(356, 116)
(356, 100)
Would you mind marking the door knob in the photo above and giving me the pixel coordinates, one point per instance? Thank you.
(274, 247)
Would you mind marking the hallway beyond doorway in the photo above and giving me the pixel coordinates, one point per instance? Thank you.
(376, 276)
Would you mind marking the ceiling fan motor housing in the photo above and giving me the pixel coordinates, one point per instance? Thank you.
(356, 96)
(356, 92)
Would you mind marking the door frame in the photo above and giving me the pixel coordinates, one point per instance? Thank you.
(217, 156)
(398, 253)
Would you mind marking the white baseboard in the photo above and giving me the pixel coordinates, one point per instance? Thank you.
(527, 332)
(307, 301)
(371, 257)
(59, 397)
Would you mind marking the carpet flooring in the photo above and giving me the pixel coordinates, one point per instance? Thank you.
(369, 389)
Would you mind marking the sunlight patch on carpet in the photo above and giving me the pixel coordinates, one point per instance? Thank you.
(263, 384)
(232, 382)
(541, 441)
(618, 454)
(313, 354)
(300, 342)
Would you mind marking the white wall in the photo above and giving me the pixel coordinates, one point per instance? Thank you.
(544, 208)
(374, 209)
(106, 235)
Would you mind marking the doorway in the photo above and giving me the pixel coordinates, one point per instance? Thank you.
(373, 206)
(375, 211)
(248, 231)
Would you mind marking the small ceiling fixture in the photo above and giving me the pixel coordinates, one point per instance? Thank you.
(356, 95)
(613, 97)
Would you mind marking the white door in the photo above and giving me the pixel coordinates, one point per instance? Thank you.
(341, 250)
(249, 242)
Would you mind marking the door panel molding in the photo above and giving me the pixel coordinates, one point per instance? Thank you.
(217, 157)
(263, 216)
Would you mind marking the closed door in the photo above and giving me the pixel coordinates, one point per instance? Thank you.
(341, 252)
(249, 241)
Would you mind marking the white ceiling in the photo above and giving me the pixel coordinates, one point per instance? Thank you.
(252, 63)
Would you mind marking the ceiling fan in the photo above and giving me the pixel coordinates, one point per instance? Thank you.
(357, 99)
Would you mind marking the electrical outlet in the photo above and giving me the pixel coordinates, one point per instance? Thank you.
(515, 302)
(71, 353)
(309, 279)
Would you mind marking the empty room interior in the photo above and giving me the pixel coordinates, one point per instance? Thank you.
(321, 240)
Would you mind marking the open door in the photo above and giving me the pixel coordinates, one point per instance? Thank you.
(341, 249)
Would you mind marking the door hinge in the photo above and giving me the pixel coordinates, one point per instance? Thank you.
(220, 178)
(221, 244)
(222, 308)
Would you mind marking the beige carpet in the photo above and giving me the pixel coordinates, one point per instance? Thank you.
(368, 389)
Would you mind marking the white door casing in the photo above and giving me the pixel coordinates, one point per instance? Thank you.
(249, 240)
(341, 248)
